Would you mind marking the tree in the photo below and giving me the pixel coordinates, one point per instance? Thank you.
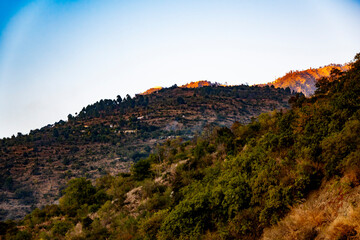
(118, 99)
(70, 117)
(297, 100)
(8, 183)
(323, 85)
(79, 191)
(180, 100)
(55, 133)
(141, 169)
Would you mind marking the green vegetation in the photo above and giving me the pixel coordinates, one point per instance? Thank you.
(109, 135)
(224, 184)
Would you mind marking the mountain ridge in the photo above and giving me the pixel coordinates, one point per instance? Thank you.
(135, 125)
(196, 84)
(287, 174)
(107, 136)
(305, 80)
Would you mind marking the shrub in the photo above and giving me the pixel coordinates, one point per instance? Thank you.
(141, 169)
(79, 191)
(61, 228)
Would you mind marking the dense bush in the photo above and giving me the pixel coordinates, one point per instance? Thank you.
(141, 169)
(79, 194)
(226, 183)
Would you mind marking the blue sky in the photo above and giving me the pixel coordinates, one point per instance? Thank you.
(59, 56)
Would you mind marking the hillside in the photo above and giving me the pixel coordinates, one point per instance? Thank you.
(151, 90)
(106, 137)
(197, 84)
(288, 174)
(305, 81)
(202, 83)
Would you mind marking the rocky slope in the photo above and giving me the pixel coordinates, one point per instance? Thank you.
(304, 81)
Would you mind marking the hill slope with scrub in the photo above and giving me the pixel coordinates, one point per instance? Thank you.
(106, 137)
(291, 174)
(305, 81)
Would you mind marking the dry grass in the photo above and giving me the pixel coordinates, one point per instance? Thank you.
(302, 223)
(345, 227)
(332, 212)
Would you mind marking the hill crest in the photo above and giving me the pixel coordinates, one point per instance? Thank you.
(105, 137)
(304, 81)
(196, 84)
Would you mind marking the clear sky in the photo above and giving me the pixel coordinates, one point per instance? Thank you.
(59, 56)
